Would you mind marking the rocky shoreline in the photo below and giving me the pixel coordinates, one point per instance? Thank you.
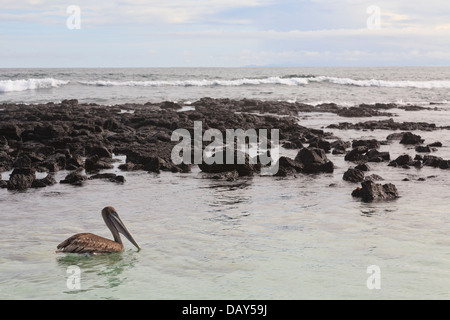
(82, 139)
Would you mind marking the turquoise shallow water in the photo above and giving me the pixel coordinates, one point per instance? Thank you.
(255, 238)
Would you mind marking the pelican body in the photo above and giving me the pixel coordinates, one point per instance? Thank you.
(91, 243)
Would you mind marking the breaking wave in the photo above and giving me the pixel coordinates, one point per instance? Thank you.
(293, 80)
(384, 83)
(199, 83)
(30, 84)
(289, 81)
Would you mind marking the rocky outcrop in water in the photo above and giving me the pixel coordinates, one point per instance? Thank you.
(314, 160)
(362, 154)
(388, 124)
(371, 191)
(73, 136)
(353, 175)
(411, 138)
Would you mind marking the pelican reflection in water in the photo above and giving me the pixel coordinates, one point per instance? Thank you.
(91, 243)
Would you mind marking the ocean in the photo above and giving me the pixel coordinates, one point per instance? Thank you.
(344, 86)
(253, 238)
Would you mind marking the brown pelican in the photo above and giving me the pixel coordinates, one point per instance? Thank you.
(91, 243)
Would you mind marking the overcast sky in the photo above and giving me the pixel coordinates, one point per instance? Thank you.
(224, 33)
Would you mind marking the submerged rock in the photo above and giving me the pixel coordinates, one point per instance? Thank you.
(371, 191)
(402, 160)
(321, 144)
(374, 177)
(314, 160)
(288, 166)
(377, 156)
(424, 149)
(108, 176)
(241, 164)
(294, 143)
(370, 144)
(436, 144)
(410, 138)
(363, 167)
(95, 164)
(49, 180)
(228, 176)
(21, 179)
(357, 154)
(340, 146)
(353, 175)
(75, 178)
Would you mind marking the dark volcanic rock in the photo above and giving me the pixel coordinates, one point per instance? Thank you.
(371, 191)
(217, 164)
(49, 180)
(57, 136)
(130, 167)
(395, 136)
(363, 167)
(376, 156)
(182, 167)
(357, 154)
(389, 124)
(288, 166)
(6, 162)
(370, 144)
(74, 162)
(55, 162)
(321, 144)
(290, 145)
(170, 105)
(432, 161)
(21, 179)
(70, 103)
(338, 151)
(402, 160)
(314, 161)
(445, 164)
(353, 175)
(75, 178)
(340, 146)
(3, 143)
(46, 132)
(436, 144)
(374, 177)
(98, 150)
(95, 164)
(424, 149)
(410, 138)
(295, 143)
(109, 176)
(10, 131)
(228, 176)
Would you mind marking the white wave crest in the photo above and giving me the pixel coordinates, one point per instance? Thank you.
(199, 83)
(30, 84)
(383, 83)
(290, 81)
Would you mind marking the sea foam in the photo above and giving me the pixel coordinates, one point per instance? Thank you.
(198, 83)
(289, 81)
(30, 84)
(384, 83)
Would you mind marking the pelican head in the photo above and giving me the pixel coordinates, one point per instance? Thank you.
(116, 225)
